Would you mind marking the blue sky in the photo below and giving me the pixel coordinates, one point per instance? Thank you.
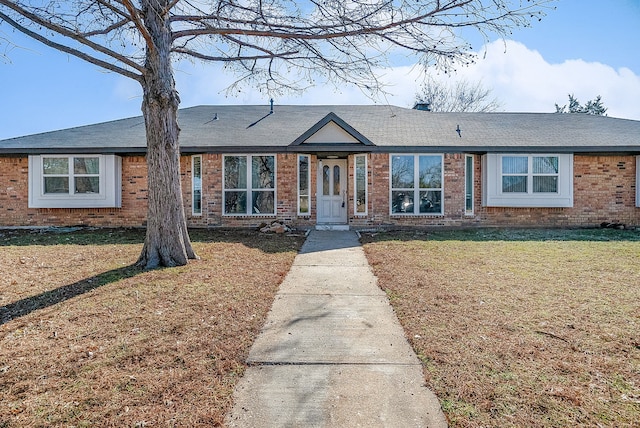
(584, 47)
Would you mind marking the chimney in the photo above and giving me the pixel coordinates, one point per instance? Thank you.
(422, 106)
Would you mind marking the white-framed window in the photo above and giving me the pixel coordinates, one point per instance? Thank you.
(304, 184)
(196, 185)
(75, 181)
(416, 184)
(249, 184)
(360, 183)
(468, 184)
(528, 180)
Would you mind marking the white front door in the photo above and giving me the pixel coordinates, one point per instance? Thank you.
(332, 191)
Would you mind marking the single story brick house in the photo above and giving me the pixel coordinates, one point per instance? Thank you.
(336, 166)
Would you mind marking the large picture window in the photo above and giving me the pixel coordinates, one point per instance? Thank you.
(416, 184)
(249, 185)
(74, 181)
(528, 180)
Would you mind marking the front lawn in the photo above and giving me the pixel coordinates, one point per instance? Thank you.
(524, 328)
(86, 339)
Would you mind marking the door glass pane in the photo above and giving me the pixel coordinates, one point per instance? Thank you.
(86, 166)
(263, 172)
(336, 180)
(402, 172)
(55, 166)
(325, 180)
(235, 172)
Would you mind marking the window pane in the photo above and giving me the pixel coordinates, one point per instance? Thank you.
(469, 184)
(514, 184)
(545, 165)
(235, 172)
(86, 166)
(235, 202)
(401, 202)
(56, 185)
(431, 201)
(262, 202)
(402, 172)
(430, 172)
(87, 184)
(197, 185)
(304, 204)
(55, 166)
(515, 165)
(361, 181)
(303, 171)
(262, 172)
(325, 180)
(336, 180)
(545, 184)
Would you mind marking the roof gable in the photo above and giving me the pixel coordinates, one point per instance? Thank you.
(331, 130)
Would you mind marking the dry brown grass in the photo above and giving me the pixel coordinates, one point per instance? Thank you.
(88, 340)
(521, 329)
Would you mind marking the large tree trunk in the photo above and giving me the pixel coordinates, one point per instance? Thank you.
(167, 240)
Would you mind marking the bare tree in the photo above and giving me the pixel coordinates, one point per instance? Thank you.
(280, 44)
(459, 96)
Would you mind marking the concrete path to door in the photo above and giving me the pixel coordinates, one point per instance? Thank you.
(332, 352)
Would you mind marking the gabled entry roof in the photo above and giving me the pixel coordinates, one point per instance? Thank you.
(325, 124)
(376, 128)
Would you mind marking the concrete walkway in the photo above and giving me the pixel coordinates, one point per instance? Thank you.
(332, 353)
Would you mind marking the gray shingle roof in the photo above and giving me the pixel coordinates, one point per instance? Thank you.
(389, 128)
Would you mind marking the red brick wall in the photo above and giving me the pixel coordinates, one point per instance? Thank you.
(14, 191)
(604, 190)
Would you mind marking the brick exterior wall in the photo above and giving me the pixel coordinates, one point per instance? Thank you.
(604, 190)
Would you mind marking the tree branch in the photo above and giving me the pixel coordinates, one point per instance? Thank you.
(135, 17)
(71, 51)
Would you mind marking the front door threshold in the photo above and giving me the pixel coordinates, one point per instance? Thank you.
(332, 227)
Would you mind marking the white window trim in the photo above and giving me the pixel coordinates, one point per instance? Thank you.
(249, 189)
(193, 185)
(416, 167)
(109, 196)
(472, 189)
(301, 214)
(493, 196)
(355, 187)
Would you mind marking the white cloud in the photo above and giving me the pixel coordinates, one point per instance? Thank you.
(518, 76)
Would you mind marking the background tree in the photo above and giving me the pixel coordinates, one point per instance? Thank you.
(278, 44)
(594, 106)
(459, 96)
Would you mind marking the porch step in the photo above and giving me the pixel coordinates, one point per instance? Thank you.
(332, 227)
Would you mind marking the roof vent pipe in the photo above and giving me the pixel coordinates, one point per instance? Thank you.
(271, 101)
